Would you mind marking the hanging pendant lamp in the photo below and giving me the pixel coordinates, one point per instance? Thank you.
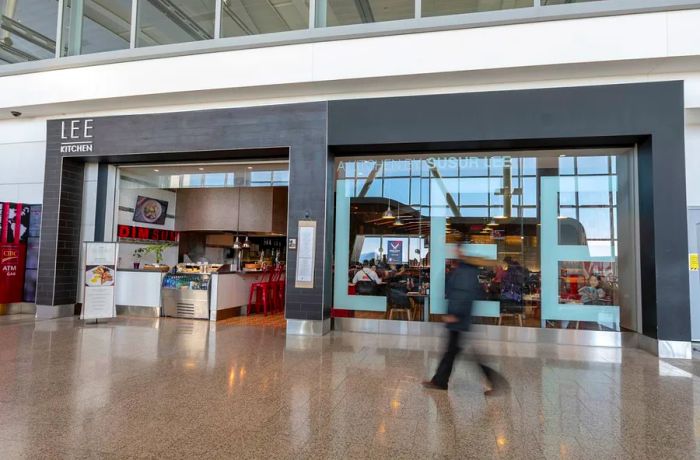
(246, 243)
(388, 214)
(398, 222)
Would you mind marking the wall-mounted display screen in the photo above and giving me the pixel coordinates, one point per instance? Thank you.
(150, 210)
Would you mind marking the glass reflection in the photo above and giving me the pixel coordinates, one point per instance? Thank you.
(444, 7)
(162, 22)
(345, 12)
(253, 17)
(27, 30)
(555, 230)
(92, 26)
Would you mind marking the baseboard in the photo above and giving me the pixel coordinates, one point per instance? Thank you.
(54, 311)
(141, 312)
(219, 315)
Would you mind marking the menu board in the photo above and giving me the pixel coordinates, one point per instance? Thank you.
(306, 251)
(100, 278)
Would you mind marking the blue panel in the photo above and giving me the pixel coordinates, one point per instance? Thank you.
(341, 299)
(486, 308)
(551, 254)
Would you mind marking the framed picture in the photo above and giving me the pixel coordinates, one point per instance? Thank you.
(150, 210)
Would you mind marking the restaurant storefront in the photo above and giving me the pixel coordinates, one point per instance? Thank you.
(567, 194)
(556, 230)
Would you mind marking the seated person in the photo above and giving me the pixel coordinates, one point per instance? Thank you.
(366, 274)
(592, 294)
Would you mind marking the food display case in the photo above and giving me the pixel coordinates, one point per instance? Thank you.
(186, 295)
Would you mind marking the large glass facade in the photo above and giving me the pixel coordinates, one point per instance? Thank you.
(93, 26)
(253, 17)
(27, 30)
(555, 230)
(175, 21)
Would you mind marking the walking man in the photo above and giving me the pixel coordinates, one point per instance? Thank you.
(462, 288)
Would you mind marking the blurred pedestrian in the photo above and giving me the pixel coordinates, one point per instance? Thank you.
(462, 288)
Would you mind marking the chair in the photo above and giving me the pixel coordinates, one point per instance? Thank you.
(398, 301)
(278, 291)
(262, 290)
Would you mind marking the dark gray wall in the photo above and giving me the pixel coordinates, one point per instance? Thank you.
(650, 114)
(298, 130)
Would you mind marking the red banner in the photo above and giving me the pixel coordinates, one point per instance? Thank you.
(12, 272)
(132, 232)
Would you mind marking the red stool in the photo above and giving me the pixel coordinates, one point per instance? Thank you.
(262, 291)
(278, 288)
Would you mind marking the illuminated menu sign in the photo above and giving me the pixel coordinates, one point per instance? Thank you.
(133, 232)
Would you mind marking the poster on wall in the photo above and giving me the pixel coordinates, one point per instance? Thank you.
(100, 278)
(14, 223)
(306, 251)
(150, 210)
(394, 253)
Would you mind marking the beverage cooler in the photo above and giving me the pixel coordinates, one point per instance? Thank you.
(186, 295)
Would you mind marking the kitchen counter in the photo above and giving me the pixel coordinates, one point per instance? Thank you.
(137, 292)
(229, 293)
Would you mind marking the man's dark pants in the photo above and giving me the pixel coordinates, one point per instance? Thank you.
(444, 370)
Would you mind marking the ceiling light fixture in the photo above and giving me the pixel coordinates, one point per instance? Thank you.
(493, 223)
(388, 214)
(397, 222)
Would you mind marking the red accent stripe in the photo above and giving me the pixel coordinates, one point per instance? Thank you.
(5, 216)
(18, 221)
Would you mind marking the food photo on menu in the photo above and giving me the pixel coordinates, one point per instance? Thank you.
(99, 275)
(150, 210)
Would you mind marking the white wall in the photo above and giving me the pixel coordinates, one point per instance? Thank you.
(22, 156)
(128, 194)
(692, 164)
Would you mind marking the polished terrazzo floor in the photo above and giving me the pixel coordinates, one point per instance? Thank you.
(172, 388)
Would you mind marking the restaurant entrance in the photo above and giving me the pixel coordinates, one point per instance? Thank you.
(202, 240)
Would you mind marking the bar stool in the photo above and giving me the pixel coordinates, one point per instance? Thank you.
(281, 282)
(262, 292)
(275, 288)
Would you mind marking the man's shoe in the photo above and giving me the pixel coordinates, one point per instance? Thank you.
(430, 385)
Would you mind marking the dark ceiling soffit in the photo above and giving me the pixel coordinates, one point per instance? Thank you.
(277, 153)
(501, 145)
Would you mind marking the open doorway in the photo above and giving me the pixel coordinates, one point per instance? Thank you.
(202, 240)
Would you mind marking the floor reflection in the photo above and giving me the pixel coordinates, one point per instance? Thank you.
(167, 387)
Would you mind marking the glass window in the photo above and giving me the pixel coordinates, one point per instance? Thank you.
(27, 30)
(542, 225)
(174, 21)
(565, 2)
(254, 17)
(93, 26)
(444, 7)
(345, 12)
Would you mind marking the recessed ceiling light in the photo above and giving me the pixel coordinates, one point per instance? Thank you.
(201, 169)
(156, 170)
(250, 167)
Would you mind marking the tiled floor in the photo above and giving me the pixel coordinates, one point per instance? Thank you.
(172, 388)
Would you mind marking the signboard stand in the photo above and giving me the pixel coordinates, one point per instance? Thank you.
(306, 252)
(100, 278)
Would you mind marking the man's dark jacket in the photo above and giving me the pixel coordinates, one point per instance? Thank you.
(462, 288)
